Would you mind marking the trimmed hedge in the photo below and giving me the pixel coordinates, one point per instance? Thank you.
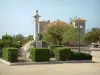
(52, 48)
(10, 54)
(40, 54)
(62, 54)
(80, 56)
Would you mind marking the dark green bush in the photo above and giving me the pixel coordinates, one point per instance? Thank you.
(55, 46)
(96, 45)
(52, 47)
(40, 54)
(62, 54)
(10, 54)
(80, 56)
(0, 52)
(44, 44)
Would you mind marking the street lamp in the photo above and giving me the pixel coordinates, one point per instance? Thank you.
(79, 26)
(79, 38)
(80, 23)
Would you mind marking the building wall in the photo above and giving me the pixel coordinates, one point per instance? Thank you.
(42, 25)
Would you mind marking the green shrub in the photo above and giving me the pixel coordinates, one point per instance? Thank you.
(0, 52)
(96, 45)
(10, 54)
(80, 56)
(9, 41)
(52, 47)
(40, 54)
(55, 46)
(62, 54)
(44, 44)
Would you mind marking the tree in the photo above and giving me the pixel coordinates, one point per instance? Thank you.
(18, 37)
(16, 41)
(21, 39)
(59, 31)
(70, 34)
(8, 41)
(72, 20)
(92, 36)
(30, 37)
(40, 36)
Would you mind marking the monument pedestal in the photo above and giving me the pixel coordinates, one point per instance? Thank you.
(38, 44)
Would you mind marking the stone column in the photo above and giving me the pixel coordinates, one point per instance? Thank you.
(36, 38)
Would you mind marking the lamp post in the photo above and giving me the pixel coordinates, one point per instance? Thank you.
(79, 38)
(80, 23)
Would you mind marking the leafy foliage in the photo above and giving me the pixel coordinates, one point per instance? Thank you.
(92, 36)
(8, 41)
(30, 37)
(70, 34)
(52, 48)
(59, 31)
(21, 39)
(40, 36)
(15, 41)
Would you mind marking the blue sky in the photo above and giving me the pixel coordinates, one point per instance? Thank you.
(16, 15)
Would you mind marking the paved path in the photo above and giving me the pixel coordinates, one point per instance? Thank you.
(94, 49)
(52, 69)
(96, 53)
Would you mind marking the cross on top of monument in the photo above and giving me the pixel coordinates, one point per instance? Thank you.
(37, 15)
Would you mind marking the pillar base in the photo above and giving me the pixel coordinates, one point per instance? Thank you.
(38, 44)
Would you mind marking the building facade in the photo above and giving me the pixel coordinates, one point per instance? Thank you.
(79, 23)
(42, 25)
